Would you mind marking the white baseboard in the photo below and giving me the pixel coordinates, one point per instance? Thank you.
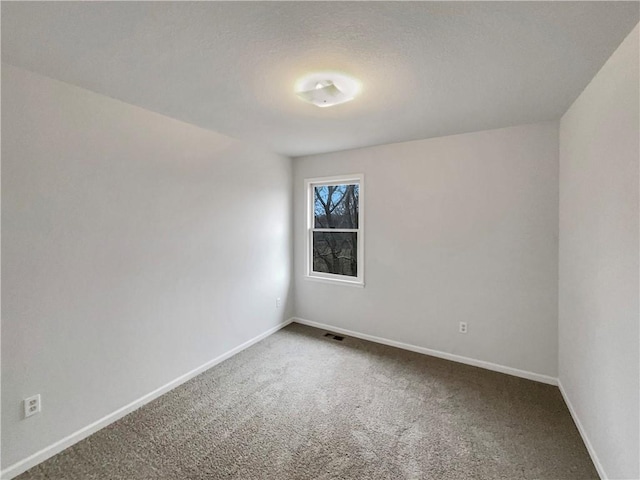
(434, 353)
(583, 433)
(48, 452)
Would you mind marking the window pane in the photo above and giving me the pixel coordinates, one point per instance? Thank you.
(336, 252)
(336, 206)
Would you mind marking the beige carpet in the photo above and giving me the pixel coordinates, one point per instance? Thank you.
(301, 406)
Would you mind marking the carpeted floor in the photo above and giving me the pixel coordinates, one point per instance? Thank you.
(301, 406)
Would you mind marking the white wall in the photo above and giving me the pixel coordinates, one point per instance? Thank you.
(599, 287)
(459, 228)
(135, 249)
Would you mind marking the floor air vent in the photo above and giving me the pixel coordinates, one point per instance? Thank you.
(334, 336)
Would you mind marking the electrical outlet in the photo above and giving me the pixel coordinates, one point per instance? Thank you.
(32, 406)
(278, 302)
(463, 327)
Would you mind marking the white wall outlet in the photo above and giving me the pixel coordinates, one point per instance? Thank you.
(278, 302)
(463, 327)
(32, 406)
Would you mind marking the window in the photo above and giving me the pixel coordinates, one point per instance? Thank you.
(334, 225)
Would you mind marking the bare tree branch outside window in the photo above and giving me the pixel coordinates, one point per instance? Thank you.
(336, 207)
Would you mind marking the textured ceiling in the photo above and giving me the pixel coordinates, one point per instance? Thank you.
(427, 68)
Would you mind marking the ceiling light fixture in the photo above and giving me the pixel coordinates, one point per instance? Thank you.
(325, 89)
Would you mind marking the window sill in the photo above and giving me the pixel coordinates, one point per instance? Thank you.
(333, 281)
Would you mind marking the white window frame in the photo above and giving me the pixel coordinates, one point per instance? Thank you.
(309, 185)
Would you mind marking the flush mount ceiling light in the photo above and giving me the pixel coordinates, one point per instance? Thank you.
(325, 89)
